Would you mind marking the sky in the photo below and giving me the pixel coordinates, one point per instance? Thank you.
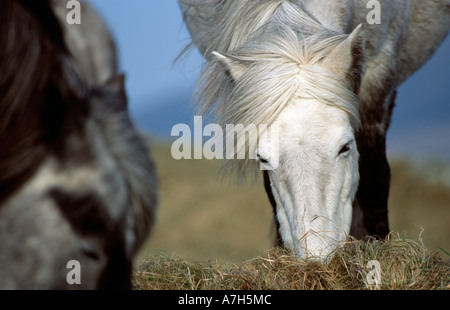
(150, 34)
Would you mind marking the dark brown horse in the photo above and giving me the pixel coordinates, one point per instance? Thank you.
(76, 180)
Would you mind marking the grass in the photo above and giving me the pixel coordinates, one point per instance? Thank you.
(220, 235)
(405, 265)
(202, 218)
(419, 207)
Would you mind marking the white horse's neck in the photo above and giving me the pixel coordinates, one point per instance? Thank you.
(333, 15)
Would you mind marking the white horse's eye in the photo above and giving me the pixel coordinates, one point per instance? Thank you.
(262, 159)
(345, 149)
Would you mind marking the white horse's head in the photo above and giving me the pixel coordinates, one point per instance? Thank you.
(307, 88)
(316, 178)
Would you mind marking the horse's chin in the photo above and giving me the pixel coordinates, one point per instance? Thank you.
(323, 236)
(317, 250)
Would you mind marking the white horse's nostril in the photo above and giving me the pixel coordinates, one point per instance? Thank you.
(263, 160)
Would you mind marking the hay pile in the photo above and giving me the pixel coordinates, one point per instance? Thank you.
(404, 265)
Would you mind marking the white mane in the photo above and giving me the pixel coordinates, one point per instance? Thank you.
(281, 48)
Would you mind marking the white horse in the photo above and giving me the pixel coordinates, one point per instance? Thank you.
(327, 78)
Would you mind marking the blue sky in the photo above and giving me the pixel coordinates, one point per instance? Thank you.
(150, 34)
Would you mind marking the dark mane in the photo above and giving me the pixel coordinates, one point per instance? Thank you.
(76, 180)
(36, 89)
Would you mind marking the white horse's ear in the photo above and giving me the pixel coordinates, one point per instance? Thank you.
(347, 58)
(232, 66)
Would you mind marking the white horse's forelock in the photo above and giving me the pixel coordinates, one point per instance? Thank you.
(282, 63)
